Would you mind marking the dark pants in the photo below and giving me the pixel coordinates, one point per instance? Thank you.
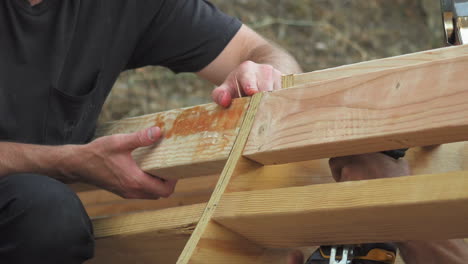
(42, 221)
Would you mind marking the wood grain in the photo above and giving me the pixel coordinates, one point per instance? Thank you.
(411, 100)
(190, 254)
(101, 203)
(422, 160)
(405, 208)
(197, 140)
(374, 66)
(220, 245)
(151, 237)
(412, 105)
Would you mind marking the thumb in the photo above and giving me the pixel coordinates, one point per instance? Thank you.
(142, 138)
(222, 95)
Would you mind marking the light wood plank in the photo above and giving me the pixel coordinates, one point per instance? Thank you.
(235, 162)
(210, 241)
(220, 245)
(151, 237)
(405, 208)
(438, 158)
(100, 203)
(197, 140)
(412, 105)
(422, 160)
(141, 249)
(374, 66)
(120, 207)
(281, 176)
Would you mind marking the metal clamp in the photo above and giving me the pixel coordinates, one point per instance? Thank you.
(346, 256)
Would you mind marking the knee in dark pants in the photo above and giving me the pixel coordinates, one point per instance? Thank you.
(42, 221)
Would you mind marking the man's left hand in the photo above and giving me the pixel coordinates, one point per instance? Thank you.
(367, 166)
(247, 79)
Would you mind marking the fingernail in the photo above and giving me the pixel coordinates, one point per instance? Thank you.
(251, 90)
(151, 132)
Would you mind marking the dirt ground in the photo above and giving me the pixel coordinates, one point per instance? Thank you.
(319, 33)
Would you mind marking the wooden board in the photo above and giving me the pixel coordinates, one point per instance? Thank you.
(220, 245)
(422, 160)
(412, 105)
(405, 208)
(438, 158)
(100, 203)
(192, 251)
(374, 66)
(197, 140)
(146, 238)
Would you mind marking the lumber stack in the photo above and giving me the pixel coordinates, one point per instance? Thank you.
(270, 188)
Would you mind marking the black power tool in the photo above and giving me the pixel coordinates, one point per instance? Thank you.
(376, 253)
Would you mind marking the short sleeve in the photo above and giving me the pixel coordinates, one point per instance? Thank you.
(184, 35)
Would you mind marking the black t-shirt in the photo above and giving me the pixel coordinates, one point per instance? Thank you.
(59, 59)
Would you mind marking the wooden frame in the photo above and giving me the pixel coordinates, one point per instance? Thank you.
(412, 100)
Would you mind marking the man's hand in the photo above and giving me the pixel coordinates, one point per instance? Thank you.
(107, 162)
(247, 65)
(367, 166)
(247, 79)
(295, 257)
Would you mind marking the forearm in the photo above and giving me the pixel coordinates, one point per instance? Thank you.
(247, 45)
(269, 53)
(20, 158)
(105, 162)
(426, 252)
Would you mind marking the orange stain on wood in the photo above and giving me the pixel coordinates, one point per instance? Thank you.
(197, 119)
(159, 122)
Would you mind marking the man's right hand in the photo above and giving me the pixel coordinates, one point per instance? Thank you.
(107, 162)
(295, 257)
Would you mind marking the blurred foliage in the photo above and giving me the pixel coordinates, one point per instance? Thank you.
(319, 33)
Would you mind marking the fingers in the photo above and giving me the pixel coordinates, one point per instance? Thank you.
(367, 166)
(222, 95)
(265, 78)
(277, 79)
(156, 187)
(142, 185)
(141, 138)
(295, 257)
(336, 166)
(248, 79)
(254, 78)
